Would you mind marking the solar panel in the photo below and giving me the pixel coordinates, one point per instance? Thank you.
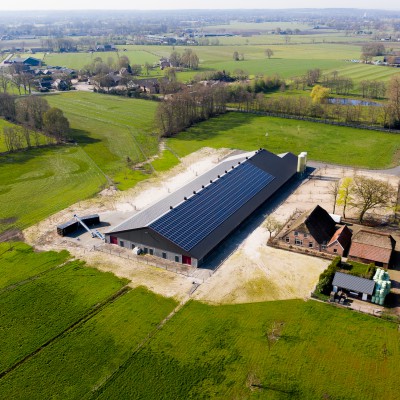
(193, 220)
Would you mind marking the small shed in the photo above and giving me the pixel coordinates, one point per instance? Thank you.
(73, 225)
(355, 285)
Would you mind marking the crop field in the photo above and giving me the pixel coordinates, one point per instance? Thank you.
(35, 312)
(84, 358)
(286, 349)
(18, 261)
(276, 350)
(38, 183)
(328, 143)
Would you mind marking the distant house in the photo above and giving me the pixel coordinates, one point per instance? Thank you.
(164, 63)
(317, 230)
(106, 47)
(150, 85)
(61, 84)
(354, 285)
(28, 61)
(372, 247)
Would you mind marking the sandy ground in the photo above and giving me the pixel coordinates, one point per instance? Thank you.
(316, 191)
(257, 272)
(253, 272)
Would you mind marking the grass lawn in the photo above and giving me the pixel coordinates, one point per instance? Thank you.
(37, 311)
(40, 182)
(82, 359)
(217, 352)
(110, 128)
(18, 261)
(328, 143)
(4, 124)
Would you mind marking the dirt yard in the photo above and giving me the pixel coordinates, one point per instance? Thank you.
(253, 272)
(257, 272)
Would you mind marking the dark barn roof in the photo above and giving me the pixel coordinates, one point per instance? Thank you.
(320, 224)
(216, 202)
(353, 283)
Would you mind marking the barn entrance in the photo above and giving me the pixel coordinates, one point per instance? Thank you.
(186, 260)
(113, 240)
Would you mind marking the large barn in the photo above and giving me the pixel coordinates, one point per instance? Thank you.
(188, 224)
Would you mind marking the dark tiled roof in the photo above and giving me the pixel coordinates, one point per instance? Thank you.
(320, 225)
(343, 236)
(353, 283)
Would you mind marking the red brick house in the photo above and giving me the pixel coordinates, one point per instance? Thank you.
(372, 247)
(317, 231)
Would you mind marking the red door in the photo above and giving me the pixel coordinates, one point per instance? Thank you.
(186, 260)
(113, 240)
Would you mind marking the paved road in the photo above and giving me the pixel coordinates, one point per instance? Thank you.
(390, 171)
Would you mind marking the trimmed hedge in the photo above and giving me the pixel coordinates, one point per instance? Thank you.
(324, 284)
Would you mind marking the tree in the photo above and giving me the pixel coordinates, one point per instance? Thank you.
(55, 124)
(272, 225)
(333, 190)
(147, 67)
(235, 56)
(319, 94)
(393, 94)
(345, 194)
(369, 194)
(269, 53)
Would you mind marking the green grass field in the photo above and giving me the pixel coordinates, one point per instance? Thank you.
(272, 350)
(40, 182)
(110, 128)
(217, 352)
(328, 143)
(18, 261)
(81, 360)
(37, 311)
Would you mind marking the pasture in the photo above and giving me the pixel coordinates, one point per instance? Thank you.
(327, 143)
(82, 359)
(35, 312)
(274, 350)
(38, 183)
(18, 262)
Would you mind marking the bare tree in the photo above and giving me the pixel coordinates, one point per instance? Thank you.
(370, 193)
(269, 53)
(333, 190)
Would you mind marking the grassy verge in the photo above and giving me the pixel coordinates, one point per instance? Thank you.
(34, 313)
(81, 360)
(275, 350)
(327, 143)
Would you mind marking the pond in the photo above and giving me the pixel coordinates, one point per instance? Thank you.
(353, 102)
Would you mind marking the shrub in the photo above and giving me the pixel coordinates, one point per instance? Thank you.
(324, 284)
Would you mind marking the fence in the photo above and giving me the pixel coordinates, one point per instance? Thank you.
(185, 270)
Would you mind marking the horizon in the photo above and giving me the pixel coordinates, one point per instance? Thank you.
(197, 5)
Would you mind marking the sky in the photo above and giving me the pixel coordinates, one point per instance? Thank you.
(194, 4)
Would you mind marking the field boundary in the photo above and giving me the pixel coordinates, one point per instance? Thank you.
(92, 311)
(96, 391)
(318, 120)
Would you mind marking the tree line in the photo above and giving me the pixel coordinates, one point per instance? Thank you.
(33, 117)
(181, 110)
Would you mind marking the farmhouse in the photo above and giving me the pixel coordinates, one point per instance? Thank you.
(188, 224)
(372, 247)
(28, 61)
(317, 230)
(356, 286)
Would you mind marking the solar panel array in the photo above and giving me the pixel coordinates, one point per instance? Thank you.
(193, 220)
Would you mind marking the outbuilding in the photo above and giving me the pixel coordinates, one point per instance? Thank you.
(188, 224)
(356, 286)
